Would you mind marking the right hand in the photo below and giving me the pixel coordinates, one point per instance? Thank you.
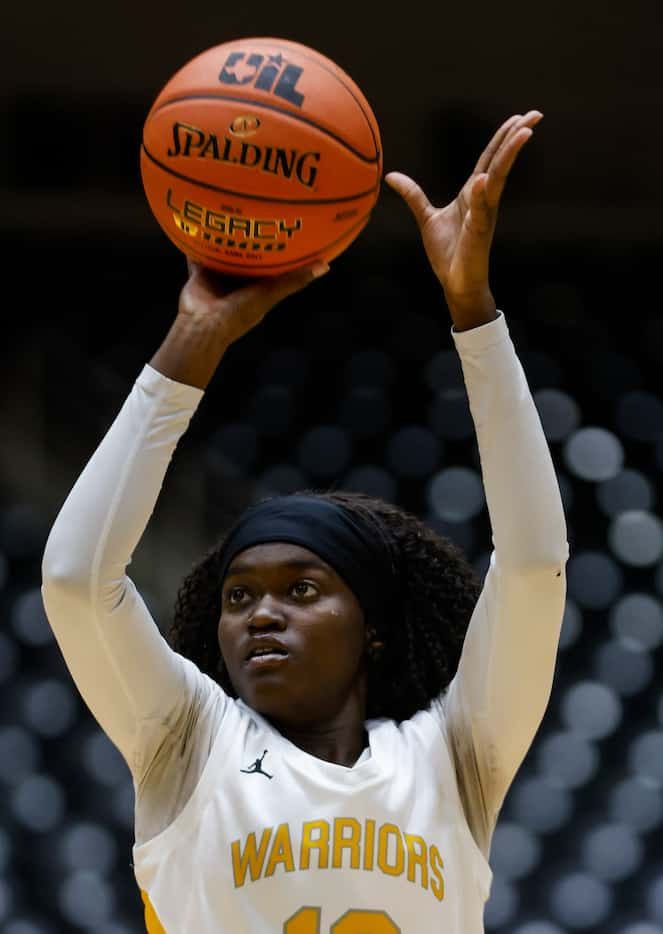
(233, 310)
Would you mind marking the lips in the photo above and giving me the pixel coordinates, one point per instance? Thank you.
(265, 662)
(265, 647)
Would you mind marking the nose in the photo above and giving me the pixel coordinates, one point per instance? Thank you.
(267, 614)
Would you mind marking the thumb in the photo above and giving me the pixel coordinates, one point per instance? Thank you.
(412, 194)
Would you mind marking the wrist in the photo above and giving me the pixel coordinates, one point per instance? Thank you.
(201, 324)
(191, 351)
(471, 310)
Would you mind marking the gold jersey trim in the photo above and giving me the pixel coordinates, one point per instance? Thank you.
(152, 923)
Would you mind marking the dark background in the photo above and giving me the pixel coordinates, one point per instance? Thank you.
(91, 286)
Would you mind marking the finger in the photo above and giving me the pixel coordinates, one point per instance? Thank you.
(495, 143)
(502, 165)
(192, 266)
(504, 135)
(412, 194)
(527, 122)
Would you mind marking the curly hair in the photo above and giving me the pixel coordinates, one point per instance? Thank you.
(418, 653)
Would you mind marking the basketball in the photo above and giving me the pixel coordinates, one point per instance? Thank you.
(260, 156)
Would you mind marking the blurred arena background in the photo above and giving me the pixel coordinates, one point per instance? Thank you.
(353, 384)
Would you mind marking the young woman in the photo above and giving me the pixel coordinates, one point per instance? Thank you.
(327, 741)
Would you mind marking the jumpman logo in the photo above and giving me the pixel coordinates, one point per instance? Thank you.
(257, 767)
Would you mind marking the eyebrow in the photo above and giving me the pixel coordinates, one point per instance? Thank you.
(296, 564)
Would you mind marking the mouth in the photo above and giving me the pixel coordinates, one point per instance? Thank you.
(266, 656)
(271, 659)
(266, 660)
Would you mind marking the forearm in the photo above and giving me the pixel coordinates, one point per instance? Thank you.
(519, 479)
(191, 351)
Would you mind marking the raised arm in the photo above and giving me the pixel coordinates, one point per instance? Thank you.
(130, 679)
(495, 703)
(122, 666)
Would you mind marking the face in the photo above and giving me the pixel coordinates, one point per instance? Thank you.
(292, 635)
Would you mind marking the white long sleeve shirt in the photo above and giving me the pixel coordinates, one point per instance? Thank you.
(400, 840)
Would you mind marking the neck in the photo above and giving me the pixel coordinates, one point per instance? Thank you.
(339, 736)
(338, 742)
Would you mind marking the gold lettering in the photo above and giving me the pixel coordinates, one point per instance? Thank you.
(281, 852)
(283, 227)
(257, 232)
(416, 858)
(252, 860)
(190, 229)
(437, 884)
(249, 858)
(192, 211)
(243, 224)
(387, 830)
(369, 844)
(342, 842)
(215, 221)
(319, 843)
(169, 201)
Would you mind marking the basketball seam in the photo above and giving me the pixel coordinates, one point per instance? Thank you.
(334, 75)
(300, 260)
(371, 160)
(240, 194)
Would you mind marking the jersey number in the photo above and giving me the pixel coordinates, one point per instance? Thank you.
(354, 921)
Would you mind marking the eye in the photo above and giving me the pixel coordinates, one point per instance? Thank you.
(235, 595)
(304, 589)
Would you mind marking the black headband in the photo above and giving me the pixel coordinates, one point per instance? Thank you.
(359, 550)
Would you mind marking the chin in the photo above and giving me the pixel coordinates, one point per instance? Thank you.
(269, 696)
(275, 709)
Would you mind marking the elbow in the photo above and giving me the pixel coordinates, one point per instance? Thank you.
(67, 590)
(60, 586)
(66, 568)
(544, 557)
(72, 579)
(60, 571)
(538, 575)
(550, 564)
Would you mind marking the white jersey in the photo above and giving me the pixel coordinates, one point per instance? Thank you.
(274, 839)
(237, 829)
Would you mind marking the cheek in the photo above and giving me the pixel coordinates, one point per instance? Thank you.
(225, 634)
(344, 632)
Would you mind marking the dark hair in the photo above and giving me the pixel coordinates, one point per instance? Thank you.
(419, 652)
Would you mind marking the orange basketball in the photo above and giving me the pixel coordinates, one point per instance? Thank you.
(259, 156)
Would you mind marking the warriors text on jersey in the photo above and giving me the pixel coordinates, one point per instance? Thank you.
(237, 829)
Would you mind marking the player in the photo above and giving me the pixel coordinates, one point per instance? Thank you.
(318, 755)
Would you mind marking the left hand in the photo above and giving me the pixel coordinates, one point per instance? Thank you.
(457, 238)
